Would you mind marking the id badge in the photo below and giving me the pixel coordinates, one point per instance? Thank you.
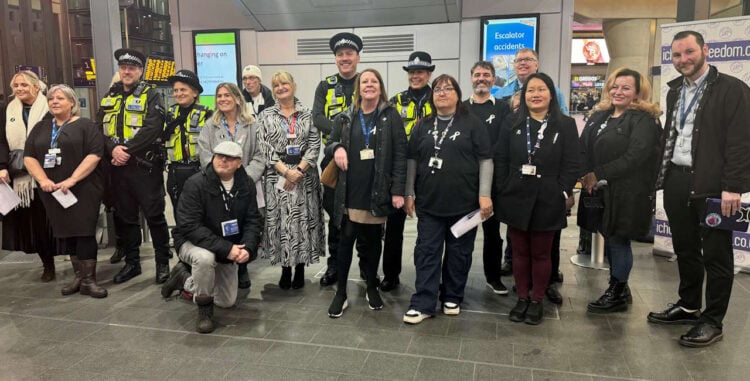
(293, 150)
(366, 154)
(50, 160)
(54, 151)
(230, 228)
(291, 136)
(436, 163)
(136, 106)
(528, 170)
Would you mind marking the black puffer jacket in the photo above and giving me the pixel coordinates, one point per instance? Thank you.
(201, 210)
(268, 100)
(390, 160)
(626, 154)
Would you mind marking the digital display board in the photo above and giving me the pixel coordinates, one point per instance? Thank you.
(502, 36)
(158, 69)
(216, 61)
(589, 51)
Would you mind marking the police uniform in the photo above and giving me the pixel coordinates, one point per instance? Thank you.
(413, 105)
(183, 125)
(332, 96)
(134, 119)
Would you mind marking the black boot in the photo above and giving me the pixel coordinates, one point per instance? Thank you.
(285, 282)
(162, 272)
(584, 242)
(88, 280)
(243, 278)
(176, 281)
(329, 277)
(205, 322)
(299, 276)
(613, 300)
(73, 287)
(118, 255)
(127, 273)
(48, 262)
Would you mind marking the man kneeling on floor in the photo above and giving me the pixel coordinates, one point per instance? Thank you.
(218, 227)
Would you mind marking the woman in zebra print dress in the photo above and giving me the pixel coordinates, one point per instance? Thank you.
(294, 233)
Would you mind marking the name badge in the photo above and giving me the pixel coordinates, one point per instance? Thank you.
(230, 228)
(293, 150)
(134, 107)
(50, 160)
(291, 136)
(435, 163)
(528, 170)
(366, 154)
(54, 151)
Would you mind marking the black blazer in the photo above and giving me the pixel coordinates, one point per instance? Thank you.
(536, 203)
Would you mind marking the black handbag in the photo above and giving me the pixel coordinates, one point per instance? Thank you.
(15, 164)
(591, 210)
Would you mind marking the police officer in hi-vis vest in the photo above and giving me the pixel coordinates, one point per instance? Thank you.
(132, 119)
(184, 122)
(413, 104)
(332, 96)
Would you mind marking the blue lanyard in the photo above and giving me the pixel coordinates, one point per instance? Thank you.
(538, 140)
(698, 92)
(56, 132)
(226, 127)
(365, 129)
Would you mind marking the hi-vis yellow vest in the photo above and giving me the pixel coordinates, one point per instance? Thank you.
(134, 109)
(336, 101)
(407, 108)
(175, 146)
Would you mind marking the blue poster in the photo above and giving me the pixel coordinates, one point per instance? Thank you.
(502, 37)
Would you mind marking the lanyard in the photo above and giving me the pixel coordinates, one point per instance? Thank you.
(226, 127)
(698, 92)
(289, 127)
(439, 143)
(56, 132)
(539, 137)
(365, 129)
(227, 196)
(603, 125)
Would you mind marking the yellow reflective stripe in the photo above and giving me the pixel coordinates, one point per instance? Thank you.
(174, 143)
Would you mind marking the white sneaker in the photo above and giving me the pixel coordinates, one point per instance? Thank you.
(415, 317)
(451, 308)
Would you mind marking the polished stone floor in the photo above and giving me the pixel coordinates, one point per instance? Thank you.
(274, 334)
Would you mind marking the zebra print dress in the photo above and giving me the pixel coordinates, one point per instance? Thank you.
(294, 232)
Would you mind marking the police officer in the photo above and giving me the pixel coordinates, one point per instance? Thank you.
(332, 96)
(184, 122)
(132, 119)
(413, 104)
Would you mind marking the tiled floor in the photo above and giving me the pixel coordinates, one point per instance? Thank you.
(274, 334)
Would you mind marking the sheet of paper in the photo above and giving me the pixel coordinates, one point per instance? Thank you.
(66, 200)
(8, 198)
(466, 223)
(260, 194)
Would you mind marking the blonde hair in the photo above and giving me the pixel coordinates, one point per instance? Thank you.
(282, 76)
(69, 93)
(31, 78)
(357, 99)
(243, 115)
(642, 100)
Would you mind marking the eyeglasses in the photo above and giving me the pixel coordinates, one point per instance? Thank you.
(443, 90)
(524, 60)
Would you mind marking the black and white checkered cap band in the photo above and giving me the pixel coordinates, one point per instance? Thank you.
(345, 41)
(417, 62)
(130, 57)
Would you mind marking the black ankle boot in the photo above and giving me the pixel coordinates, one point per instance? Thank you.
(584, 242)
(613, 300)
(285, 282)
(299, 276)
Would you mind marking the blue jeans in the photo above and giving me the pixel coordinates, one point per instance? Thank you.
(432, 234)
(620, 257)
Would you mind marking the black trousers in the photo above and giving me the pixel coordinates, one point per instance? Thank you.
(139, 189)
(394, 245)
(82, 247)
(699, 250)
(329, 199)
(177, 175)
(368, 240)
(492, 253)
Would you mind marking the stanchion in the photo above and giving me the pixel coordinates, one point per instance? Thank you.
(596, 259)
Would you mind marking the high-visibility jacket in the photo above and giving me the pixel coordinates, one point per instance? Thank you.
(409, 109)
(183, 138)
(336, 100)
(133, 110)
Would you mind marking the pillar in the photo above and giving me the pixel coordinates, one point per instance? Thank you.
(105, 28)
(630, 43)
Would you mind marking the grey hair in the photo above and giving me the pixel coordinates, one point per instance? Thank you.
(69, 93)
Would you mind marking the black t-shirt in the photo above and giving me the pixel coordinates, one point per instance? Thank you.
(453, 189)
(492, 114)
(361, 172)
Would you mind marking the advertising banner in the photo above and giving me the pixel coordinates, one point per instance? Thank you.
(728, 43)
(502, 37)
(216, 55)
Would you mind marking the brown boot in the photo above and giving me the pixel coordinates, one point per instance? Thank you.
(76, 284)
(49, 268)
(88, 280)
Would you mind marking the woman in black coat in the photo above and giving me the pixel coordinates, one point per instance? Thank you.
(537, 162)
(368, 144)
(621, 141)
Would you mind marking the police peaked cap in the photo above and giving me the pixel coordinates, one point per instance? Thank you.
(187, 77)
(419, 61)
(345, 40)
(130, 57)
